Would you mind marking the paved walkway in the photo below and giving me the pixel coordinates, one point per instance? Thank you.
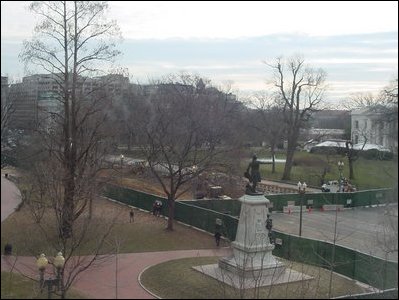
(10, 198)
(99, 281)
(291, 186)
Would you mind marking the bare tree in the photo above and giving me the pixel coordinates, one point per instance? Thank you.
(7, 109)
(68, 42)
(72, 38)
(299, 91)
(186, 124)
(129, 108)
(269, 122)
(9, 137)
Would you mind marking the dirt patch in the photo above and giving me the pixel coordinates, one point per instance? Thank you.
(231, 186)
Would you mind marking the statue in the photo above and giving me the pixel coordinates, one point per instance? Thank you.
(254, 176)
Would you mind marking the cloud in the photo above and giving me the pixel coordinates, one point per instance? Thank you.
(352, 65)
(334, 60)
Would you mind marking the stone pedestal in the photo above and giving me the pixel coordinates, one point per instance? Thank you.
(252, 263)
(252, 251)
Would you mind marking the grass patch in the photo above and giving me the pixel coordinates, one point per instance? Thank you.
(14, 286)
(146, 233)
(153, 237)
(177, 280)
(308, 167)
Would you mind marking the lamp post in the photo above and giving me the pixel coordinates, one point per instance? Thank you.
(301, 191)
(340, 168)
(122, 157)
(42, 264)
(195, 180)
(58, 263)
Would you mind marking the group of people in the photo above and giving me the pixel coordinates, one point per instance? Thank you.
(347, 186)
(156, 208)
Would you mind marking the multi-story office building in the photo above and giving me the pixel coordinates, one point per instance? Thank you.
(4, 91)
(40, 95)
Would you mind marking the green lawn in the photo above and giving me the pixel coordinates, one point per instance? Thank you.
(146, 233)
(177, 280)
(14, 286)
(308, 167)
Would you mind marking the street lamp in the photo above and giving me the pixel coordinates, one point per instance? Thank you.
(122, 157)
(195, 180)
(58, 263)
(340, 168)
(301, 191)
(42, 264)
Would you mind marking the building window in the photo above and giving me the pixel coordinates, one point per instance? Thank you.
(365, 124)
(356, 138)
(357, 124)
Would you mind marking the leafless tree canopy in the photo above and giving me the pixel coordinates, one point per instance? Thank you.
(299, 90)
(267, 119)
(183, 128)
(72, 41)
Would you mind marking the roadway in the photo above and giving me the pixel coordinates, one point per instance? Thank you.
(372, 230)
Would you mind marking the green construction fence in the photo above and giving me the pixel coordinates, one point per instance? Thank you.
(315, 200)
(368, 269)
(202, 214)
(185, 211)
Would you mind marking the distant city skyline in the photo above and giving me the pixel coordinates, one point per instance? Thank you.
(356, 43)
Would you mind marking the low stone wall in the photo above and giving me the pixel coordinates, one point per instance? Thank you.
(275, 189)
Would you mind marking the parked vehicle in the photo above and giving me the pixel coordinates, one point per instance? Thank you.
(331, 186)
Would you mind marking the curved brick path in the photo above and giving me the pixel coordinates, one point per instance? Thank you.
(10, 198)
(98, 282)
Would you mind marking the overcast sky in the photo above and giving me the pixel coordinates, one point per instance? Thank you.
(356, 43)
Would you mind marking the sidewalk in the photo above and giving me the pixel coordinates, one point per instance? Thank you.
(99, 281)
(287, 185)
(10, 197)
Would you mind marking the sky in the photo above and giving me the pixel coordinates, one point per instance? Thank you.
(355, 43)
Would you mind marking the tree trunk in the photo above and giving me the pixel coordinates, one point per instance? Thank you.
(171, 212)
(273, 160)
(350, 153)
(288, 162)
(68, 209)
(129, 141)
(351, 172)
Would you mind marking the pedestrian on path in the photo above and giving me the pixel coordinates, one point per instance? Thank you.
(131, 214)
(217, 238)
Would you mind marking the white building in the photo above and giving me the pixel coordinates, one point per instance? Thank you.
(368, 126)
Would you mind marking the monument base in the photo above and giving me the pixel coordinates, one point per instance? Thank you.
(267, 277)
(252, 263)
(251, 271)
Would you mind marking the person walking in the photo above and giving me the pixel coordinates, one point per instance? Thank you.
(131, 214)
(217, 238)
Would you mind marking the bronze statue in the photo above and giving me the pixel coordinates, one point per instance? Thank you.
(254, 176)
